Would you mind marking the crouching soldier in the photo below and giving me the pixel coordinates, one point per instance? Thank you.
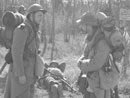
(101, 68)
(24, 50)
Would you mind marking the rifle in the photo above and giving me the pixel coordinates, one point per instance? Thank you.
(63, 80)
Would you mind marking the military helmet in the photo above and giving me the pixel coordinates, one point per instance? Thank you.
(54, 64)
(100, 16)
(21, 8)
(35, 8)
(109, 23)
(87, 18)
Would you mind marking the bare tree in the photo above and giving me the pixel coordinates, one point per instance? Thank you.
(53, 29)
(68, 14)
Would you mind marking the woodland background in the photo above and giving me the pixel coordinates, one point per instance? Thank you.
(62, 38)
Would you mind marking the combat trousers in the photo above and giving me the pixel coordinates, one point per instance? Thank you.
(29, 93)
(56, 91)
(100, 93)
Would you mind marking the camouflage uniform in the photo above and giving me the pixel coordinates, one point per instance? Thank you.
(24, 52)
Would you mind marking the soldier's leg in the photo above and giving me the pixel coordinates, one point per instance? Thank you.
(116, 92)
(54, 91)
(32, 91)
(86, 94)
(26, 94)
(92, 95)
(99, 93)
(60, 90)
(107, 94)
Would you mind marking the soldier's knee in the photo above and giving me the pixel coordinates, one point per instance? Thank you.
(54, 88)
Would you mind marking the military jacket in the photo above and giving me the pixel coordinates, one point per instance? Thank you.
(21, 47)
(101, 53)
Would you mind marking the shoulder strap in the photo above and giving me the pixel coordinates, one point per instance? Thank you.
(112, 62)
(108, 41)
(31, 34)
(97, 37)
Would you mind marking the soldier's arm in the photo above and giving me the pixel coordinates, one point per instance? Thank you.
(84, 56)
(85, 52)
(99, 59)
(19, 40)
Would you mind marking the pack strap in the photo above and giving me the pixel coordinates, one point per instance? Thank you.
(31, 34)
(112, 62)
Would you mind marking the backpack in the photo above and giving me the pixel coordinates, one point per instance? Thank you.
(109, 74)
(8, 39)
(10, 21)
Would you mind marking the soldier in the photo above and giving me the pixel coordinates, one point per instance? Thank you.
(22, 9)
(89, 21)
(55, 85)
(102, 48)
(22, 72)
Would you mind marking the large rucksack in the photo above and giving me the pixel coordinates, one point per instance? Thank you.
(10, 21)
(8, 33)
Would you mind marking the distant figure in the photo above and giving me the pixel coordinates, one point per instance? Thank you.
(22, 9)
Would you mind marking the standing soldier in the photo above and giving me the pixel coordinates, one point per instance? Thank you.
(22, 72)
(22, 9)
(107, 42)
(89, 21)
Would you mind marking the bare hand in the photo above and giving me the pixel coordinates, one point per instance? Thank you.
(22, 80)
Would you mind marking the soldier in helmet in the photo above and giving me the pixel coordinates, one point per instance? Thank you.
(22, 72)
(55, 85)
(22, 9)
(105, 42)
(90, 22)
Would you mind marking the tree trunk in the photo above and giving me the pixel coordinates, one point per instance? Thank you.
(43, 35)
(96, 5)
(53, 30)
(73, 18)
(88, 5)
(43, 38)
(66, 33)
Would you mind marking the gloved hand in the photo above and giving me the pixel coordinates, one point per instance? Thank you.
(8, 57)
